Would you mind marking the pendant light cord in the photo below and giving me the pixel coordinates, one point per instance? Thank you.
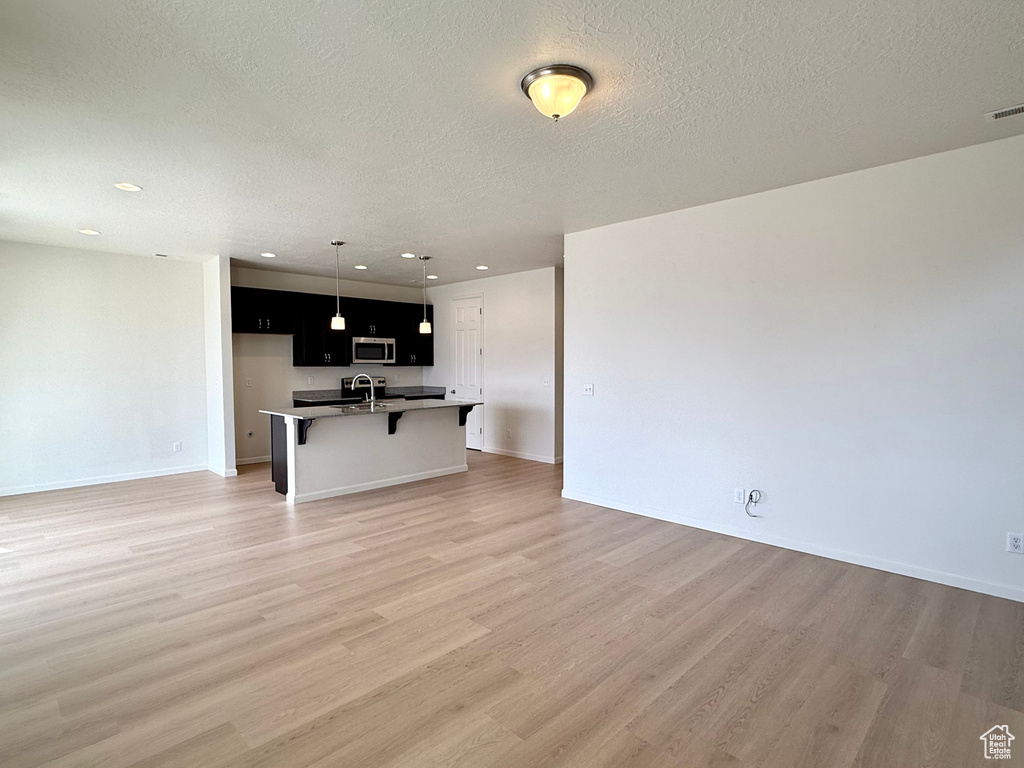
(337, 278)
(424, 290)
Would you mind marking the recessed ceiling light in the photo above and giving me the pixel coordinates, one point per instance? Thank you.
(269, 255)
(360, 266)
(408, 255)
(88, 232)
(126, 186)
(482, 267)
(431, 277)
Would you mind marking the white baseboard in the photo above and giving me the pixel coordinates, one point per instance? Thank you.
(558, 459)
(527, 456)
(253, 460)
(298, 498)
(99, 480)
(996, 589)
(224, 472)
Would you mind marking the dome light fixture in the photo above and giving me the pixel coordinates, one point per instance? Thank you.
(268, 255)
(127, 186)
(408, 255)
(337, 322)
(90, 232)
(557, 90)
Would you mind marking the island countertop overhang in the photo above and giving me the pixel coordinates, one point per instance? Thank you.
(390, 406)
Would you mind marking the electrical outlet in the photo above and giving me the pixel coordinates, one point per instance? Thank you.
(309, 379)
(176, 446)
(546, 382)
(248, 382)
(738, 495)
(1015, 543)
(395, 377)
(588, 390)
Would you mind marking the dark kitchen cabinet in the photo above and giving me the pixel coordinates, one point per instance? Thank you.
(307, 316)
(315, 343)
(259, 310)
(411, 346)
(370, 318)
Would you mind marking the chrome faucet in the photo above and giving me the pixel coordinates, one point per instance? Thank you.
(356, 378)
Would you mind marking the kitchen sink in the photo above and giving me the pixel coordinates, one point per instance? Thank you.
(363, 407)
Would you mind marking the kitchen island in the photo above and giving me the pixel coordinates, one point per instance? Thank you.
(331, 450)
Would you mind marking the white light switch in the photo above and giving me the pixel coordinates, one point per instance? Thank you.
(588, 389)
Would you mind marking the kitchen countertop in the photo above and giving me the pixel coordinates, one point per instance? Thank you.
(333, 395)
(391, 406)
(415, 391)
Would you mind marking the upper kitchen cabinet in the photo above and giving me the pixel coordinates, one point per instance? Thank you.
(411, 346)
(259, 310)
(308, 317)
(315, 343)
(370, 318)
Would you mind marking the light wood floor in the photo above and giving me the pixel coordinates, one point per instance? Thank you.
(476, 620)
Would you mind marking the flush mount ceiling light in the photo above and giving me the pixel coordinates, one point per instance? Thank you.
(408, 255)
(269, 255)
(482, 267)
(431, 277)
(557, 90)
(337, 322)
(126, 186)
(90, 232)
(361, 266)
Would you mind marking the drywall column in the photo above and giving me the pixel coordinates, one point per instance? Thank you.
(220, 408)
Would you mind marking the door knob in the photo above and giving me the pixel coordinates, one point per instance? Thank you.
(453, 391)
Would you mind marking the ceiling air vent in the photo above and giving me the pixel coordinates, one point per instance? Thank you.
(999, 114)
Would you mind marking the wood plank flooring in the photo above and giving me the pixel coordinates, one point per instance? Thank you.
(476, 620)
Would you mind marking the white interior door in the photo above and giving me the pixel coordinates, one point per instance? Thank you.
(468, 362)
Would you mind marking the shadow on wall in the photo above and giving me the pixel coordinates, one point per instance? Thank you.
(517, 429)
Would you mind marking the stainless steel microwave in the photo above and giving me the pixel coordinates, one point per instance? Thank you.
(368, 350)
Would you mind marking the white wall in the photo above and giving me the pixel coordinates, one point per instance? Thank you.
(853, 347)
(289, 281)
(519, 354)
(102, 367)
(265, 360)
(220, 409)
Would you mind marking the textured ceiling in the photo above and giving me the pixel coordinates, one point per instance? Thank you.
(256, 125)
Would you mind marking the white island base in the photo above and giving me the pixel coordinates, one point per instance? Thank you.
(355, 453)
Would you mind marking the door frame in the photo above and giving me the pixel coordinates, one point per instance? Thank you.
(452, 357)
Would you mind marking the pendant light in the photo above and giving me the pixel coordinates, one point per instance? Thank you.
(337, 322)
(558, 89)
(425, 325)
